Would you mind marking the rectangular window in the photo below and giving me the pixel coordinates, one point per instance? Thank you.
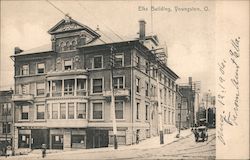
(69, 86)
(172, 117)
(119, 60)
(54, 111)
(97, 111)
(165, 116)
(137, 61)
(147, 67)
(6, 109)
(40, 89)
(62, 111)
(161, 94)
(119, 109)
(146, 89)
(25, 88)
(137, 111)
(81, 87)
(40, 111)
(168, 117)
(40, 68)
(137, 84)
(147, 112)
(118, 82)
(6, 128)
(67, 64)
(97, 62)
(81, 110)
(57, 88)
(24, 112)
(25, 69)
(71, 110)
(97, 86)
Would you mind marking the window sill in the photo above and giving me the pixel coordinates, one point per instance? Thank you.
(97, 120)
(23, 120)
(39, 120)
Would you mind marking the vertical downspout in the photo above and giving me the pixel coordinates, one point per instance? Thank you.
(132, 95)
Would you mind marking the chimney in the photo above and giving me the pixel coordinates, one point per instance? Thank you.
(190, 81)
(17, 50)
(142, 25)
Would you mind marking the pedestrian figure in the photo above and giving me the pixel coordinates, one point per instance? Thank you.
(43, 150)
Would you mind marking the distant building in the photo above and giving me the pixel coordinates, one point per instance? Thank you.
(181, 111)
(63, 90)
(188, 98)
(6, 117)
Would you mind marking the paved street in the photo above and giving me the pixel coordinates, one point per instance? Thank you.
(183, 148)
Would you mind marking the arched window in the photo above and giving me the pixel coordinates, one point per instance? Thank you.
(61, 46)
(73, 45)
(67, 46)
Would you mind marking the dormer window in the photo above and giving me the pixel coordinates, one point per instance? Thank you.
(67, 64)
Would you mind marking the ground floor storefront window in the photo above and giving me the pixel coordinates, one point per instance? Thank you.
(23, 141)
(78, 141)
(57, 141)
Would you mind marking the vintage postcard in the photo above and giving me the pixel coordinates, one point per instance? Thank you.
(141, 79)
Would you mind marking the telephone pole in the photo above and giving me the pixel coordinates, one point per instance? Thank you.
(159, 109)
(113, 98)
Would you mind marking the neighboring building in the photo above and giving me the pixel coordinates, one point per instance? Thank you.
(188, 94)
(63, 92)
(181, 111)
(6, 117)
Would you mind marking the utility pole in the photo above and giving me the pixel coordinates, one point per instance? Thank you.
(207, 106)
(159, 109)
(113, 99)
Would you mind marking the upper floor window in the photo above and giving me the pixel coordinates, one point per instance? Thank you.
(147, 112)
(6, 109)
(119, 109)
(73, 45)
(71, 111)
(137, 84)
(40, 89)
(69, 86)
(6, 128)
(146, 89)
(137, 111)
(25, 89)
(40, 112)
(118, 82)
(119, 60)
(81, 110)
(40, 68)
(67, 64)
(54, 111)
(147, 69)
(25, 112)
(25, 69)
(62, 110)
(97, 85)
(137, 61)
(97, 62)
(97, 110)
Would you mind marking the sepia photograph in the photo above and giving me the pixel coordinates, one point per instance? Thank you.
(142, 79)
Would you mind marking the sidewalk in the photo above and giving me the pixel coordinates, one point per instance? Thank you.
(149, 143)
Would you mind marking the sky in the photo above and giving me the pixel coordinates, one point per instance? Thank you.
(189, 36)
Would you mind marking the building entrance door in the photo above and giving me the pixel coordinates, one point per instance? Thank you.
(39, 137)
(97, 138)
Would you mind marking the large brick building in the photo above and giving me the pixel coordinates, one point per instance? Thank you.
(63, 92)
